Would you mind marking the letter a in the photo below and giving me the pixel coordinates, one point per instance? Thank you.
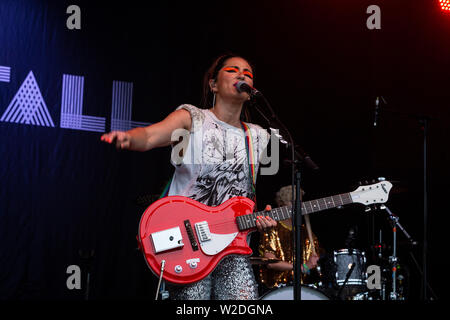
(374, 280)
(374, 21)
(74, 21)
(74, 280)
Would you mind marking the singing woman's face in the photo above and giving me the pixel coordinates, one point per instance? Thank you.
(234, 69)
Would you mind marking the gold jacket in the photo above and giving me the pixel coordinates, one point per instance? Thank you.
(279, 242)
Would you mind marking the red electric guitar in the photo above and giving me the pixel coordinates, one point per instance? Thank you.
(187, 239)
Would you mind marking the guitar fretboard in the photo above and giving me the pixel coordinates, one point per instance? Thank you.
(282, 213)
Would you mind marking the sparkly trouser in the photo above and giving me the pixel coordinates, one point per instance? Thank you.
(233, 279)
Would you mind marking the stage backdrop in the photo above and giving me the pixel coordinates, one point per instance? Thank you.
(62, 190)
(72, 70)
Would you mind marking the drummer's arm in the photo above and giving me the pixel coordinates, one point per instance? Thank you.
(277, 266)
(282, 265)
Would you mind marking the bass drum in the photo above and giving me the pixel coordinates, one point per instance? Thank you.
(287, 293)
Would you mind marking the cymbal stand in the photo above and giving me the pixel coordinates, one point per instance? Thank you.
(396, 223)
(393, 259)
(380, 256)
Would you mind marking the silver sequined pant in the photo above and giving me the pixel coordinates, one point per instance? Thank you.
(233, 279)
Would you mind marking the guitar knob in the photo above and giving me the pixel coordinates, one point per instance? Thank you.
(178, 269)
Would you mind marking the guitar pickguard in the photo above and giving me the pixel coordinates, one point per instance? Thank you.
(217, 243)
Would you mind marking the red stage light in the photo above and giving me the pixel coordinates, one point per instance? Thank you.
(445, 5)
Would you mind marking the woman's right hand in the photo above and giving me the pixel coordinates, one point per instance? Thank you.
(121, 139)
(153, 136)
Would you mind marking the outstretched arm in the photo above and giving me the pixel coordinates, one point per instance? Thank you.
(152, 136)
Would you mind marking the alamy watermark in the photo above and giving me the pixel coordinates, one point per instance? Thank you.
(74, 20)
(374, 279)
(374, 20)
(74, 279)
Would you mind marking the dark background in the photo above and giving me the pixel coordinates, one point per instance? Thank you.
(62, 190)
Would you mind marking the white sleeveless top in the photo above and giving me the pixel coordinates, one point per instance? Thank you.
(214, 166)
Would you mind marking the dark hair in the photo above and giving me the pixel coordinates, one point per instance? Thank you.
(211, 73)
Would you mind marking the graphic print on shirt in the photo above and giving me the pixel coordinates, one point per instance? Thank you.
(218, 183)
(223, 173)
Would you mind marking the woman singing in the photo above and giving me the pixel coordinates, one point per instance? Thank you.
(218, 161)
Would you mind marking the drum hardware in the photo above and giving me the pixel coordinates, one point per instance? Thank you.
(380, 246)
(362, 296)
(393, 259)
(392, 284)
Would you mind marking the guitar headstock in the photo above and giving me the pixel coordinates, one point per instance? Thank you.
(372, 193)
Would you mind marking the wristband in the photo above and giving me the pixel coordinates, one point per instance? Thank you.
(305, 268)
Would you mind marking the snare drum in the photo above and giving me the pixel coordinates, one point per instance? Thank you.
(287, 293)
(344, 260)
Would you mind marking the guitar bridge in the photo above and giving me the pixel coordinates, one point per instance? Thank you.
(190, 232)
(203, 232)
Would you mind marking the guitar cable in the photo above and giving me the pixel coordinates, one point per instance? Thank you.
(163, 262)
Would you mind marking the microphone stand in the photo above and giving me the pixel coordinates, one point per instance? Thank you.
(347, 276)
(296, 211)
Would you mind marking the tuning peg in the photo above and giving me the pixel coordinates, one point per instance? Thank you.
(381, 179)
(367, 209)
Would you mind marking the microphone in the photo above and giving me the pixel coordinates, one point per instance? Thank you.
(242, 86)
(377, 106)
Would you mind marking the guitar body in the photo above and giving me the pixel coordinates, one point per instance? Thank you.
(191, 237)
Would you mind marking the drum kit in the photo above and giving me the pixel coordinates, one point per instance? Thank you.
(345, 274)
(345, 277)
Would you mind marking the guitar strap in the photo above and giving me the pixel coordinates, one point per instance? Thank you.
(166, 189)
(250, 157)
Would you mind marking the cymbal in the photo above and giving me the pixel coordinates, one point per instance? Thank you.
(262, 260)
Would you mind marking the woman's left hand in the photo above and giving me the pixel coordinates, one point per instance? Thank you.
(264, 224)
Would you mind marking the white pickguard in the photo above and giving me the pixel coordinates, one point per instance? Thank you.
(217, 243)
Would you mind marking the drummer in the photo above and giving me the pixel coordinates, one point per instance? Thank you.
(278, 244)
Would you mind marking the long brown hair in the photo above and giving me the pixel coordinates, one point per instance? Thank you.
(211, 73)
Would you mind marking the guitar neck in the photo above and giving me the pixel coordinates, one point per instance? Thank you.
(282, 213)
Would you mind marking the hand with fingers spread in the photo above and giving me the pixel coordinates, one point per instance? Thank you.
(263, 224)
(121, 139)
